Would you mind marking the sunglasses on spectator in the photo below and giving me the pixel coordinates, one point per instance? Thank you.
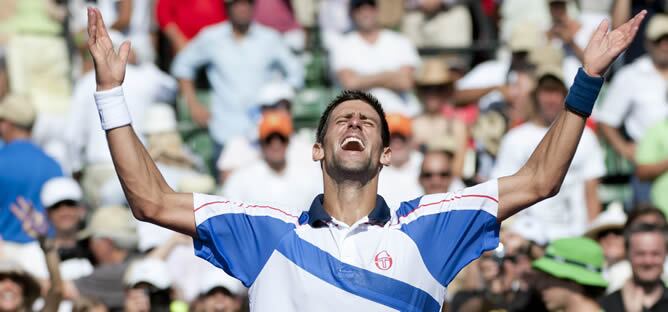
(618, 232)
(441, 174)
(271, 137)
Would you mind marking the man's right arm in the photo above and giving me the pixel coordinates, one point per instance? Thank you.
(149, 196)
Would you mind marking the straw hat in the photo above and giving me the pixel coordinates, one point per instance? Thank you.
(434, 71)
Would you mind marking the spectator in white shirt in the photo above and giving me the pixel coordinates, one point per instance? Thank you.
(283, 183)
(570, 211)
(637, 99)
(377, 60)
(399, 181)
(145, 84)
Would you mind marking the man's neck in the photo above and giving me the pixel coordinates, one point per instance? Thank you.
(240, 31)
(540, 122)
(580, 303)
(349, 201)
(370, 36)
(651, 292)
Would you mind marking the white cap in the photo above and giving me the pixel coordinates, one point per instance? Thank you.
(59, 189)
(529, 229)
(148, 270)
(218, 278)
(612, 218)
(159, 117)
(274, 92)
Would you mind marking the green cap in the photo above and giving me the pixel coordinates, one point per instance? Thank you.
(578, 259)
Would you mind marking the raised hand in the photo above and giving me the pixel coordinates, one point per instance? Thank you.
(34, 222)
(109, 65)
(604, 46)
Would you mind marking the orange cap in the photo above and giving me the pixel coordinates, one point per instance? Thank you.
(399, 124)
(275, 122)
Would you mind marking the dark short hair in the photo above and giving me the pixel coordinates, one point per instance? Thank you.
(350, 95)
(643, 228)
(642, 210)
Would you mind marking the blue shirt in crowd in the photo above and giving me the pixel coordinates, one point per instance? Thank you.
(237, 68)
(24, 168)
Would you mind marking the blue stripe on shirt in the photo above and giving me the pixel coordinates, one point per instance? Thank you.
(366, 284)
(240, 244)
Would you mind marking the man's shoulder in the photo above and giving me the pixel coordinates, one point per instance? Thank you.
(612, 302)
(522, 132)
(213, 30)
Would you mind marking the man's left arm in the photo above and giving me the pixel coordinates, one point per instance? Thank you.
(543, 173)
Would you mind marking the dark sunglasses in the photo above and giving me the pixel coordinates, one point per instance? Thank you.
(429, 175)
(273, 136)
(618, 232)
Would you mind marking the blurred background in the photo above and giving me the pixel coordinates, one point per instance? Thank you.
(226, 95)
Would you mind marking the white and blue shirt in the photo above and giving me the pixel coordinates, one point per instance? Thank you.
(391, 260)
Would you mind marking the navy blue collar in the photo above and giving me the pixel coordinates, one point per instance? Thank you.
(317, 215)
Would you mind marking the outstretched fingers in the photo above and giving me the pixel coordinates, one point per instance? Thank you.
(601, 31)
(124, 52)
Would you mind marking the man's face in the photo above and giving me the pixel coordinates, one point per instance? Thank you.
(219, 301)
(612, 242)
(11, 294)
(241, 13)
(401, 149)
(366, 18)
(658, 51)
(101, 248)
(550, 103)
(66, 217)
(352, 146)
(435, 97)
(274, 149)
(647, 252)
(556, 298)
(435, 174)
(558, 12)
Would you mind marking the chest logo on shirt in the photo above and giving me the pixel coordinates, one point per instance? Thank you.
(383, 260)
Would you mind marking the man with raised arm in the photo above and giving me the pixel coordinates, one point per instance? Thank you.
(348, 252)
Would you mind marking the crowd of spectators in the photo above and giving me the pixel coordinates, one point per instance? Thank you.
(225, 95)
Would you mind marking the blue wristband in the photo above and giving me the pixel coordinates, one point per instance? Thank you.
(583, 93)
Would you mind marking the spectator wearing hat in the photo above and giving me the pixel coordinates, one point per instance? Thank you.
(284, 182)
(645, 291)
(220, 292)
(149, 287)
(25, 168)
(61, 197)
(113, 238)
(435, 88)
(608, 229)
(276, 96)
(88, 151)
(569, 275)
(376, 60)
(570, 211)
(652, 162)
(399, 180)
(241, 56)
(637, 101)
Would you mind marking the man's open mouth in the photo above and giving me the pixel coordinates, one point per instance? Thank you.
(352, 143)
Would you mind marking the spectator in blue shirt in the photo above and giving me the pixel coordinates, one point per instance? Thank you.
(24, 166)
(240, 57)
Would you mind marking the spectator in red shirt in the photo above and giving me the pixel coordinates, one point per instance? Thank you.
(182, 20)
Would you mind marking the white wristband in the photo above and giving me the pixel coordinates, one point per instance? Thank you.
(112, 108)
